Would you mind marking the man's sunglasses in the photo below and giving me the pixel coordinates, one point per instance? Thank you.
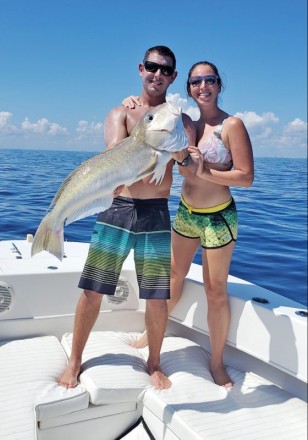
(152, 67)
(209, 80)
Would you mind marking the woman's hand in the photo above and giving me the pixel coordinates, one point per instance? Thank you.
(131, 101)
(197, 159)
(191, 168)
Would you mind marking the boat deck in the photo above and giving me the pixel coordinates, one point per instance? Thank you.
(266, 356)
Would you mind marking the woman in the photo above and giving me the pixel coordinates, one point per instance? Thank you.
(207, 213)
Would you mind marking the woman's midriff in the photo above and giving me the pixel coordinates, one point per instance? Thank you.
(204, 194)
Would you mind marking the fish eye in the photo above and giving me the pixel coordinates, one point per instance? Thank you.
(150, 118)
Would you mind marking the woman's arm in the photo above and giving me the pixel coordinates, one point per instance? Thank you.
(131, 101)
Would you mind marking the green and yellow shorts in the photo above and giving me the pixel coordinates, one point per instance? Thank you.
(215, 227)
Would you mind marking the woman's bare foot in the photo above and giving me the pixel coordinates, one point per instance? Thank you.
(141, 342)
(69, 377)
(221, 377)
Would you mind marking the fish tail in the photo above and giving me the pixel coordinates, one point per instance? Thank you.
(48, 238)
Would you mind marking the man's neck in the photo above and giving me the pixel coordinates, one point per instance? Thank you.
(151, 101)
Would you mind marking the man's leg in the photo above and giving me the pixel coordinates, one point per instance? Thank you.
(180, 264)
(86, 314)
(156, 316)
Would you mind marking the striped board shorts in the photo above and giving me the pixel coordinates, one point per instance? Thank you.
(142, 225)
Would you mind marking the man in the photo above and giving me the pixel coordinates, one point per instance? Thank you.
(150, 203)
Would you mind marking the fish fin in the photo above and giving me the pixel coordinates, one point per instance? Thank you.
(157, 166)
(92, 208)
(49, 239)
(158, 175)
(162, 158)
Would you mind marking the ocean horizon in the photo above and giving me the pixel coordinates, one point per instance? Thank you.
(271, 250)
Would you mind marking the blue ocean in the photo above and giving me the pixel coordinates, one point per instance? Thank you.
(271, 250)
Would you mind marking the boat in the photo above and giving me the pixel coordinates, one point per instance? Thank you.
(265, 355)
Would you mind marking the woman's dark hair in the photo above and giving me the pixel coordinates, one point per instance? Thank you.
(205, 63)
(163, 51)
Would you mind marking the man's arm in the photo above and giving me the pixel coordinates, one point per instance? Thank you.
(115, 131)
(115, 127)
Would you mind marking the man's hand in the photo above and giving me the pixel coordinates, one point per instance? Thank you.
(118, 190)
(179, 156)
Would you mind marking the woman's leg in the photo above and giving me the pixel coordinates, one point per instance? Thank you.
(216, 265)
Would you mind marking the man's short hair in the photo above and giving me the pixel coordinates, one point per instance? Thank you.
(162, 50)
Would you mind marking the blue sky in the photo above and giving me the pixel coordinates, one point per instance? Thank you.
(66, 63)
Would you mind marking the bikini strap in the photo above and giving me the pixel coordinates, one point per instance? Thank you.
(218, 130)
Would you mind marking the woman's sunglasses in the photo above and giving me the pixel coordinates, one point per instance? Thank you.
(152, 67)
(209, 80)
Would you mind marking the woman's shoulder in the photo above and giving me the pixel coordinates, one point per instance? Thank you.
(233, 123)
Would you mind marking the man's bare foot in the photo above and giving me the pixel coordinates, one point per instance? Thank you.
(141, 342)
(159, 380)
(69, 377)
(221, 377)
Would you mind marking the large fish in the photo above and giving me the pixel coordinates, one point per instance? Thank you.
(90, 188)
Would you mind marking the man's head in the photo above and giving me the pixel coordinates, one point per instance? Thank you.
(158, 70)
(163, 51)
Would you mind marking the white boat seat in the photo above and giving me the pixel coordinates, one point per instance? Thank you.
(114, 373)
(30, 369)
(112, 370)
(195, 408)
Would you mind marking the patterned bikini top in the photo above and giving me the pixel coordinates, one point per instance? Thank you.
(214, 150)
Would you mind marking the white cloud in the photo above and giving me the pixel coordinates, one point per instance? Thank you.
(294, 135)
(50, 135)
(86, 128)
(253, 120)
(296, 126)
(43, 126)
(178, 101)
(6, 127)
(269, 137)
(56, 129)
(89, 135)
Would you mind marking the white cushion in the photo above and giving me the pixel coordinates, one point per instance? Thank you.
(196, 408)
(30, 369)
(112, 370)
